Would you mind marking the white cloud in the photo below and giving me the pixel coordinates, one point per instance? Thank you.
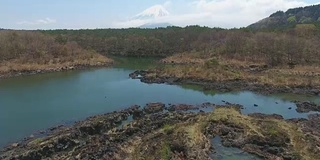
(219, 13)
(167, 4)
(180, 20)
(38, 22)
(240, 13)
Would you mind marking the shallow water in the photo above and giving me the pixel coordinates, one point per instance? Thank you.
(229, 153)
(32, 103)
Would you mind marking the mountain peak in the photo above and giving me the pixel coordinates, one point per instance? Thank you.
(155, 11)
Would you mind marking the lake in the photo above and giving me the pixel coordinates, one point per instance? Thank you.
(32, 103)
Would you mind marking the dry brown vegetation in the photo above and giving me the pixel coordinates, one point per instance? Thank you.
(268, 127)
(184, 58)
(225, 69)
(297, 45)
(30, 50)
(190, 135)
(174, 135)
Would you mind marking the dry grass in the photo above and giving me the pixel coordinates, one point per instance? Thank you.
(199, 72)
(222, 69)
(255, 126)
(287, 80)
(146, 146)
(240, 64)
(21, 65)
(195, 134)
(233, 116)
(298, 139)
(184, 58)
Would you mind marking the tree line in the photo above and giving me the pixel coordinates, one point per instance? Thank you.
(298, 45)
(36, 47)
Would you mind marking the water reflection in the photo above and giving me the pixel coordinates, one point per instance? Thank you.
(32, 103)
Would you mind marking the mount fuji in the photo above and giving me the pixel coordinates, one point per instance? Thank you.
(153, 12)
(152, 16)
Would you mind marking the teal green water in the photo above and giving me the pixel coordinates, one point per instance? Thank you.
(134, 63)
(32, 103)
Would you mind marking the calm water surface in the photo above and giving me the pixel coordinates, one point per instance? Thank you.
(32, 103)
(229, 153)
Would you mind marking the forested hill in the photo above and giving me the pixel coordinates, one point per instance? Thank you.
(32, 50)
(290, 18)
(295, 45)
(138, 42)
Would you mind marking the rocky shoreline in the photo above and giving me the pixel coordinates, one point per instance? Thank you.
(225, 86)
(305, 107)
(160, 131)
(26, 72)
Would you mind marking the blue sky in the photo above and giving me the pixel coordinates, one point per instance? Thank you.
(52, 14)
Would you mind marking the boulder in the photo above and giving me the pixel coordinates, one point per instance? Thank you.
(305, 107)
(154, 108)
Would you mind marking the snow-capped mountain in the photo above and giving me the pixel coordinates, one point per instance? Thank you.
(153, 12)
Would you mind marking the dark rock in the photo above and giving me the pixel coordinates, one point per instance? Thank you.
(154, 107)
(225, 86)
(139, 74)
(54, 128)
(207, 104)
(90, 130)
(297, 120)
(182, 107)
(98, 137)
(274, 150)
(305, 107)
(264, 116)
(134, 108)
(137, 114)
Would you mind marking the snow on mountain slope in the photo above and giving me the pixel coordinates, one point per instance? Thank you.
(153, 12)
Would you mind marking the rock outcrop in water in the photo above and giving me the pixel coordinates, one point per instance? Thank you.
(222, 86)
(305, 107)
(154, 107)
(178, 134)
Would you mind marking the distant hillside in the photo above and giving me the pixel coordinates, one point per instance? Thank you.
(280, 19)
